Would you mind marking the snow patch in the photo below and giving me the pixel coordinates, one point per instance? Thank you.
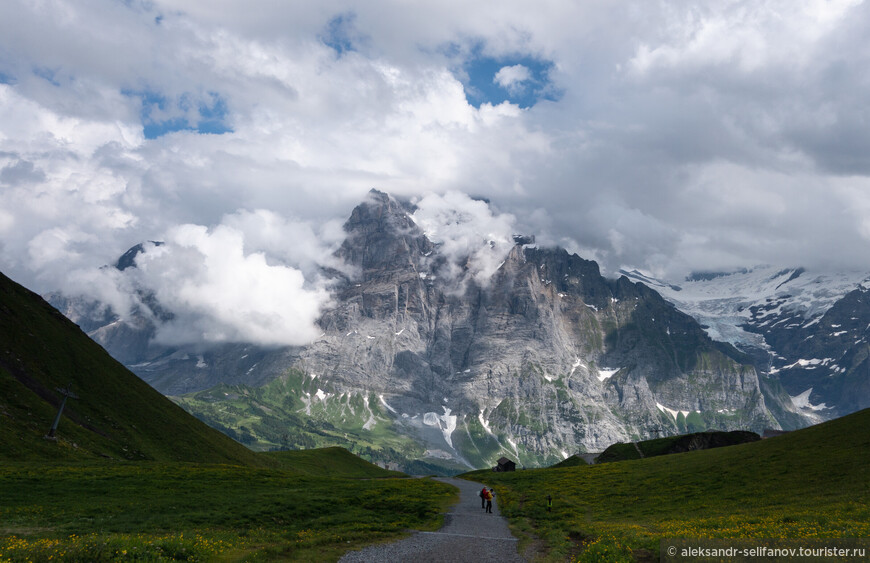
(802, 401)
(808, 363)
(577, 363)
(388, 407)
(607, 373)
(200, 362)
(485, 424)
(673, 412)
(371, 422)
(445, 422)
(564, 454)
(400, 332)
(321, 395)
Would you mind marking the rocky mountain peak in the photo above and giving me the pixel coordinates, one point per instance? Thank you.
(128, 259)
(382, 236)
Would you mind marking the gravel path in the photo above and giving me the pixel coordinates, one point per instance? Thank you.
(468, 534)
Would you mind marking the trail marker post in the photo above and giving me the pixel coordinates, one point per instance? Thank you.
(67, 394)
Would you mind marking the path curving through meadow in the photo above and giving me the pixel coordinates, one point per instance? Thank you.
(469, 535)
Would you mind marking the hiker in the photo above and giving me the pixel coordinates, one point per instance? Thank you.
(489, 494)
(482, 495)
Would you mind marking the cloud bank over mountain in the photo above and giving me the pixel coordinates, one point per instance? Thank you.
(667, 137)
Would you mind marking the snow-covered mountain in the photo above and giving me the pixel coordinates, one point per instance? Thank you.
(806, 329)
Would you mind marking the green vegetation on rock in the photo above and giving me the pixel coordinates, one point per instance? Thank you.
(287, 413)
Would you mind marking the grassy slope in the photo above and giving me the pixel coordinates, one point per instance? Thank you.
(205, 512)
(672, 444)
(810, 483)
(330, 462)
(573, 461)
(117, 415)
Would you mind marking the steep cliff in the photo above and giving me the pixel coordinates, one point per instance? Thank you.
(547, 358)
(540, 360)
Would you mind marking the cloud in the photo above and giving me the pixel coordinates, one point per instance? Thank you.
(218, 292)
(474, 240)
(689, 135)
(21, 172)
(512, 78)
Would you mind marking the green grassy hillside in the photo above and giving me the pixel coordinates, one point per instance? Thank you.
(156, 511)
(813, 483)
(330, 462)
(675, 444)
(117, 415)
(572, 461)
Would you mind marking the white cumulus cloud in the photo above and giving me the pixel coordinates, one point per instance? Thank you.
(218, 292)
(512, 77)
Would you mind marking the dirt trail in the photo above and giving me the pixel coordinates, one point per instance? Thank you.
(469, 534)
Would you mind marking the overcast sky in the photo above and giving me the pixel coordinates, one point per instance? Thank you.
(666, 136)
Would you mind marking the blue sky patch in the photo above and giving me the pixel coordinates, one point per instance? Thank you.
(521, 79)
(47, 74)
(340, 33)
(161, 116)
(6, 78)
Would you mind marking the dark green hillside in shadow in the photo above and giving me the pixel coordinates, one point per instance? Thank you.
(117, 415)
(675, 444)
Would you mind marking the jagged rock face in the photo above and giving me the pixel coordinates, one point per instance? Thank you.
(823, 364)
(544, 359)
(549, 357)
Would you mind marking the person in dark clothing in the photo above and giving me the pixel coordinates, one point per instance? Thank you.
(489, 494)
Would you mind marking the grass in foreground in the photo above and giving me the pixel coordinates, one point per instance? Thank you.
(189, 512)
(813, 483)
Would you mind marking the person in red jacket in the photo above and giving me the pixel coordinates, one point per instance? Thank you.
(482, 495)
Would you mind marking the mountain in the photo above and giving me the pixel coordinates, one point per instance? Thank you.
(806, 331)
(112, 413)
(421, 359)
